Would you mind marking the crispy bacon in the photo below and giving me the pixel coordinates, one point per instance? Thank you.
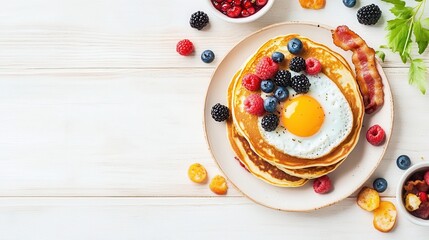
(368, 78)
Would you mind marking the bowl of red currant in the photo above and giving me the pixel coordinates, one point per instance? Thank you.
(240, 11)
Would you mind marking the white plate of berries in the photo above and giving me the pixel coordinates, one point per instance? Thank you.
(345, 180)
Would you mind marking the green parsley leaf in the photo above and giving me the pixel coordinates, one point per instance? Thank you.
(402, 12)
(417, 74)
(422, 36)
(381, 55)
(395, 2)
(399, 37)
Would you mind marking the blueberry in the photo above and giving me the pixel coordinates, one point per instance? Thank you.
(270, 104)
(207, 56)
(294, 46)
(281, 94)
(278, 57)
(380, 185)
(267, 86)
(349, 3)
(403, 162)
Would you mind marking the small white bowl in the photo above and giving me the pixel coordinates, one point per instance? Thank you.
(422, 166)
(251, 18)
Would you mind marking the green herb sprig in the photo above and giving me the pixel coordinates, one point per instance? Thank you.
(409, 26)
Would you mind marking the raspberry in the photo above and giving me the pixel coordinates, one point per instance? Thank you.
(423, 196)
(322, 184)
(426, 177)
(375, 135)
(185, 47)
(266, 68)
(251, 82)
(312, 66)
(254, 104)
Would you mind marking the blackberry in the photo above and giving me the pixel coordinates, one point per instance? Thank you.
(199, 20)
(270, 122)
(369, 14)
(300, 84)
(220, 112)
(297, 64)
(282, 78)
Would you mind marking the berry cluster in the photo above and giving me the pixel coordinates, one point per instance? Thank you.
(239, 8)
(273, 81)
(185, 47)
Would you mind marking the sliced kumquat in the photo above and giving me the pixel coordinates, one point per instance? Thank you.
(197, 173)
(218, 185)
(312, 4)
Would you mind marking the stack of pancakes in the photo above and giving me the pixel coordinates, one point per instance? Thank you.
(262, 159)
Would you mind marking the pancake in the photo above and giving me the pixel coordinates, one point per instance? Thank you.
(335, 68)
(255, 164)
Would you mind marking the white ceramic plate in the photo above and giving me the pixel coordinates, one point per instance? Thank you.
(357, 168)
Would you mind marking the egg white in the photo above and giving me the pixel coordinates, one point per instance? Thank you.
(336, 127)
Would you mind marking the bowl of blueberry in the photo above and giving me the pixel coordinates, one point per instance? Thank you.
(240, 11)
(412, 192)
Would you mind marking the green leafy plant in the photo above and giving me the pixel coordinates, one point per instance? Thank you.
(409, 26)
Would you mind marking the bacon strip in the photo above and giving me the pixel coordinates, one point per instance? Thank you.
(368, 78)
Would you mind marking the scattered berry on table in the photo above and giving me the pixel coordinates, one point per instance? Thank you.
(423, 196)
(270, 122)
(281, 93)
(403, 162)
(369, 14)
(207, 56)
(297, 64)
(300, 83)
(294, 46)
(380, 185)
(270, 104)
(426, 177)
(199, 20)
(254, 104)
(375, 135)
(313, 66)
(197, 173)
(278, 57)
(218, 185)
(282, 78)
(349, 3)
(322, 184)
(251, 82)
(266, 68)
(220, 112)
(185, 47)
(267, 86)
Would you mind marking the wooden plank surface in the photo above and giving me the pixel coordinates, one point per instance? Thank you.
(185, 218)
(141, 34)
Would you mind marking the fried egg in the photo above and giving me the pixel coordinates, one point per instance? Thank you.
(311, 124)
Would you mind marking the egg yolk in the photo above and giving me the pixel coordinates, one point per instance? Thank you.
(302, 116)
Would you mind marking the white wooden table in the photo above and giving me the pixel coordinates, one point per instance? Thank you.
(100, 119)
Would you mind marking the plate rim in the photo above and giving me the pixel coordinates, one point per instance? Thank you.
(347, 194)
